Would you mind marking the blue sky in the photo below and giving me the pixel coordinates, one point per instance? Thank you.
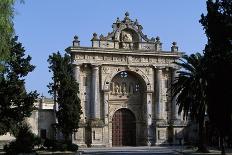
(47, 26)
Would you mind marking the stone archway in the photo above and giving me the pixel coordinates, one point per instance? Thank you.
(123, 128)
(127, 98)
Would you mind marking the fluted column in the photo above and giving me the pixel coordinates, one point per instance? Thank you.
(150, 137)
(175, 107)
(159, 93)
(95, 93)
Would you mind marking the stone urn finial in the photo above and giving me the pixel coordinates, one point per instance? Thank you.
(136, 22)
(95, 37)
(158, 44)
(174, 47)
(118, 20)
(76, 37)
(157, 38)
(127, 14)
(76, 42)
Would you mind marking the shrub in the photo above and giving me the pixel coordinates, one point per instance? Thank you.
(48, 143)
(73, 147)
(24, 143)
(59, 145)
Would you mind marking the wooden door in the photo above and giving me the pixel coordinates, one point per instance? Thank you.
(123, 128)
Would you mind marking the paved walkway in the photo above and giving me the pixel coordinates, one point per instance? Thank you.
(211, 152)
(156, 150)
(131, 150)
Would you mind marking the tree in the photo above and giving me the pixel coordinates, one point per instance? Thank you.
(15, 102)
(66, 89)
(6, 29)
(189, 90)
(217, 24)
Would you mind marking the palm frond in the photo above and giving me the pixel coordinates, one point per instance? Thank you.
(188, 87)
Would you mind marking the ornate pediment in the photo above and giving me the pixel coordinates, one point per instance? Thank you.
(127, 34)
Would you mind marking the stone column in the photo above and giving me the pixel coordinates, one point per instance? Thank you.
(150, 137)
(95, 93)
(175, 108)
(158, 91)
(77, 73)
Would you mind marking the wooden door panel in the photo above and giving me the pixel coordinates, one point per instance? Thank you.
(123, 128)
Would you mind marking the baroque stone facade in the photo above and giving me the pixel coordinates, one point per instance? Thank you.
(124, 81)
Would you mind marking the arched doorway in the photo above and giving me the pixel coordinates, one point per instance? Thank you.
(123, 128)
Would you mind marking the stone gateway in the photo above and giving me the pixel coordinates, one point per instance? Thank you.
(124, 81)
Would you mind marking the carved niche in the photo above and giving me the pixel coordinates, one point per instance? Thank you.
(129, 39)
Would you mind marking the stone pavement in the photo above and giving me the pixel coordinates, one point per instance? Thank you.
(155, 150)
(212, 151)
(144, 150)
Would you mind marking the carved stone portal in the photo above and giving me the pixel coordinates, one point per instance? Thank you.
(119, 76)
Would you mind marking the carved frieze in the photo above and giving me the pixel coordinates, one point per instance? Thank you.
(123, 59)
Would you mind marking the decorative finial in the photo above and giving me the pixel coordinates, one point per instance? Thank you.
(117, 21)
(174, 47)
(174, 43)
(76, 38)
(127, 14)
(101, 36)
(136, 22)
(157, 38)
(153, 39)
(76, 42)
(158, 44)
(42, 97)
(95, 36)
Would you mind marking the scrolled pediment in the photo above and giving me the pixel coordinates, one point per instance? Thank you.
(127, 34)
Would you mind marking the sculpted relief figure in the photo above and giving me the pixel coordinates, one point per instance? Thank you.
(127, 40)
(127, 37)
(117, 88)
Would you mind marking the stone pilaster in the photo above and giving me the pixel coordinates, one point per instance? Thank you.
(77, 73)
(150, 135)
(175, 107)
(158, 90)
(95, 93)
(106, 107)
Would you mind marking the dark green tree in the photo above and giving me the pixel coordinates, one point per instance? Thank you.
(189, 91)
(217, 24)
(15, 102)
(65, 90)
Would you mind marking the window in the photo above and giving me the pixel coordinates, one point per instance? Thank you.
(137, 87)
(124, 74)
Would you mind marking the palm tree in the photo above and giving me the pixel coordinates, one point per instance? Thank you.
(189, 90)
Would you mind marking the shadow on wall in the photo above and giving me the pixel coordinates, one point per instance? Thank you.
(180, 134)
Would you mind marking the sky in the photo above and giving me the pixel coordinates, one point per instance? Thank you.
(47, 26)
